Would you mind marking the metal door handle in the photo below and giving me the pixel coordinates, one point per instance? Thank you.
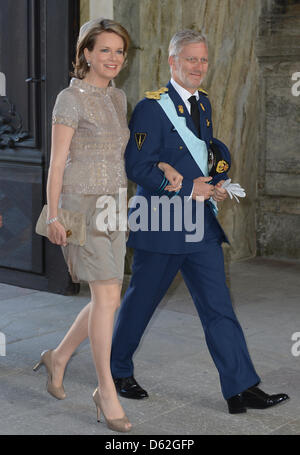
(34, 79)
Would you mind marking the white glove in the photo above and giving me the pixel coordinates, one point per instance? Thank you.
(233, 189)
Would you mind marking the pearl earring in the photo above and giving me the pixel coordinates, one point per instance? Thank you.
(88, 63)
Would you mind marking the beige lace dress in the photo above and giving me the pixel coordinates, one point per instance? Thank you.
(94, 181)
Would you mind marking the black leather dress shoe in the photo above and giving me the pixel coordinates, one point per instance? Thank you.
(253, 398)
(257, 399)
(129, 388)
(236, 404)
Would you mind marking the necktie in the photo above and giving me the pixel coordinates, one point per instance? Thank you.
(195, 113)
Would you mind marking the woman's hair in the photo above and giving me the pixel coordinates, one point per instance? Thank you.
(87, 39)
(184, 37)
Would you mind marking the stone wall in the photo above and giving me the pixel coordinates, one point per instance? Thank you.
(84, 11)
(278, 50)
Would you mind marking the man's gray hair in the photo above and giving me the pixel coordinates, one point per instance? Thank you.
(184, 37)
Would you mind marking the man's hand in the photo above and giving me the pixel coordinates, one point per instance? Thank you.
(219, 193)
(202, 188)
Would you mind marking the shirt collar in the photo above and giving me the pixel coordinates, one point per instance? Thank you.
(84, 86)
(183, 93)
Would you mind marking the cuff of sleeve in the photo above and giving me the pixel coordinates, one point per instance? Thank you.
(163, 184)
(60, 120)
(219, 177)
(186, 189)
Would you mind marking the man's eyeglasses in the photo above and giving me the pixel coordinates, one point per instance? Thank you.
(194, 60)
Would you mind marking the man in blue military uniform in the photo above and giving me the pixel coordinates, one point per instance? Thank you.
(172, 152)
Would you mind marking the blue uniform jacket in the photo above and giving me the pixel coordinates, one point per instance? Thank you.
(153, 139)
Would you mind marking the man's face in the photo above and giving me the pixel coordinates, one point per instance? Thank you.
(190, 66)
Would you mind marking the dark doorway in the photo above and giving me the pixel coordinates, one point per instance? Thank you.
(37, 44)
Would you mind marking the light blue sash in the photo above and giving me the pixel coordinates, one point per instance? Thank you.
(196, 146)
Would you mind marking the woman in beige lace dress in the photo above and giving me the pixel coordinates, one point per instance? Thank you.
(89, 137)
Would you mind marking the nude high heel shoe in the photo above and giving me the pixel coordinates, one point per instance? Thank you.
(113, 424)
(46, 359)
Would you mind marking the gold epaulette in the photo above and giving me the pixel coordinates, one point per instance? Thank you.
(202, 91)
(155, 95)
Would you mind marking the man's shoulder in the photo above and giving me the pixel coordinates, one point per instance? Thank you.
(151, 97)
(144, 107)
(156, 94)
(202, 91)
(148, 103)
(204, 99)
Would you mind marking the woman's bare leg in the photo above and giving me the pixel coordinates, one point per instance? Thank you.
(105, 301)
(77, 333)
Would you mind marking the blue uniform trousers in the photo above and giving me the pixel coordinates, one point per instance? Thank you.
(203, 273)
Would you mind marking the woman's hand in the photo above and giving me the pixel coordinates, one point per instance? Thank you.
(56, 233)
(174, 177)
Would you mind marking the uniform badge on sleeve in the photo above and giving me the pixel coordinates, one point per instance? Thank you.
(222, 166)
(216, 163)
(140, 139)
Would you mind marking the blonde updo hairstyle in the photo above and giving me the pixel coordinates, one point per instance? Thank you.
(87, 39)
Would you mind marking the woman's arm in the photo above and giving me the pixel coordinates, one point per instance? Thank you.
(61, 140)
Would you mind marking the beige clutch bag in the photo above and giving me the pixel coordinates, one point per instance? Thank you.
(73, 222)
